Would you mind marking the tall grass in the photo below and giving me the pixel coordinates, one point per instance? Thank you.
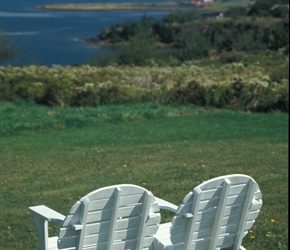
(168, 150)
(20, 115)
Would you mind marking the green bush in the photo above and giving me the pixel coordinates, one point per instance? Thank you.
(280, 35)
(191, 93)
(280, 11)
(87, 97)
(192, 45)
(217, 96)
(182, 17)
(140, 49)
(104, 57)
(279, 73)
(232, 85)
(261, 8)
(232, 56)
(235, 11)
(266, 99)
(8, 49)
(166, 33)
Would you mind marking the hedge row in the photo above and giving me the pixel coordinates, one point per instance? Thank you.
(236, 86)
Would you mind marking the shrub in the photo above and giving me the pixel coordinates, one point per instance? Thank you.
(279, 73)
(232, 56)
(193, 46)
(235, 11)
(86, 97)
(280, 35)
(139, 50)
(165, 33)
(8, 49)
(281, 11)
(217, 96)
(233, 85)
(182, 17)
(104, 57)
(191, 93)
(269, 99)
(261, 8)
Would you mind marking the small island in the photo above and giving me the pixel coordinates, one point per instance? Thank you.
(159, 6)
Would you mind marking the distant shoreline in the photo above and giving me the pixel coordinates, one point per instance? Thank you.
(158, 6)
(161, 6)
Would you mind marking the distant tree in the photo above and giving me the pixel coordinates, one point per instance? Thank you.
(280, 35)
(236, 11)
(7, 49)
(166, 33)
(224, 41)
(140, 48)
(104, 57)
(129, 29)
(280, 11)
(193, 45)
(147, 22)
(264, 7)
(174, 17)
(182, 17)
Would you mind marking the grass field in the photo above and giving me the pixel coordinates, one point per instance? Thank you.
(224, 6)
(54, 156)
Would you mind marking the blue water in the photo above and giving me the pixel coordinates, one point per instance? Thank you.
(57, 37)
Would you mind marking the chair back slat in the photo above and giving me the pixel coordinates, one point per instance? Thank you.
(191, 218)
(116, 217)
(244, 214)
(144, 217)
(219, 214)
(83, 221)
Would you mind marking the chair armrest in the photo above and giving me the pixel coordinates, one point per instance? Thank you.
(163, 204)
(42, 215)
(46, 213)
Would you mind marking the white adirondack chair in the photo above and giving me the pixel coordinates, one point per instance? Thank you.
(115, 217)
(216, 215)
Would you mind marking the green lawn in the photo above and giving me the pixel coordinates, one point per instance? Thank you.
(54, 157)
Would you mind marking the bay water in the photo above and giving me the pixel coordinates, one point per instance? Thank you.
(58, 37)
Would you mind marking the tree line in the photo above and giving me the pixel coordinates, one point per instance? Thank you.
(263, 26)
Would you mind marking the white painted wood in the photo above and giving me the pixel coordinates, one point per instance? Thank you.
(143, 218)
(217, 223)
(163, 204)
(52, 243)
(42, 215)
(47, 213)
(116, 217)
(122, 224)
(83, 222)
(191, 219)
(244, 214)
(215, 215)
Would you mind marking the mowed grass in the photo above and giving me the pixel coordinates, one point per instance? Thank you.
(49, 159)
